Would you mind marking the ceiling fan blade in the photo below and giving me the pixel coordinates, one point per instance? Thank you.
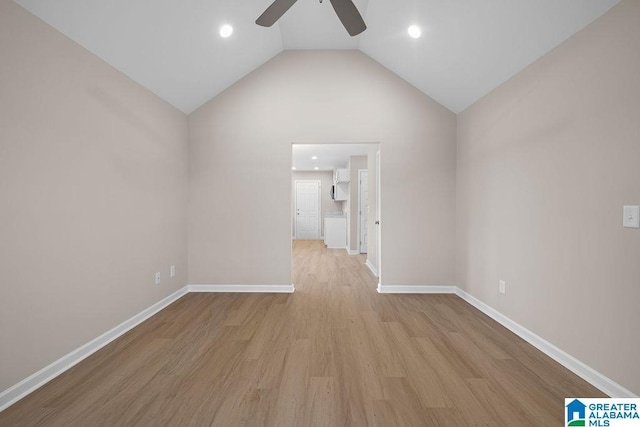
(274, 12)
(349, 16)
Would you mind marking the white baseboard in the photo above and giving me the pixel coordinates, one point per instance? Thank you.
(18, 391)
(418, 289)
(372, 268)
(579, 368)
(350, 252)
(279, 289)
(11, 395)
(585, 372)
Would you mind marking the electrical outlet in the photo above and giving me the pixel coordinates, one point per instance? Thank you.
(173, 271)
(157, 278)
(502, 287)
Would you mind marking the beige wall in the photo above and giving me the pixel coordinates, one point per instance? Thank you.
(355, 163)
(545, 164)
(327, 204)
(240, 167)
(93, 175)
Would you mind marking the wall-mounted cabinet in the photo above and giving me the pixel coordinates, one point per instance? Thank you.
(340, 191)
(341, 175)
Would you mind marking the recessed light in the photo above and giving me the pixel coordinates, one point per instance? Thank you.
(293, 168)
(225, 31)
(316, 168)
(314, 158)
(414, 31)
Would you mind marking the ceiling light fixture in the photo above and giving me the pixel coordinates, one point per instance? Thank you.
(226, 31)
(314, 158)
(316, 168)
(414, 31)
(293, 168)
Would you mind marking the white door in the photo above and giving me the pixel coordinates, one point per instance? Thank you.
(363, 209)
(307, 209)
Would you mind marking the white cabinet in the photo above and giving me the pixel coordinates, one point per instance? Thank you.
(340, 192)
(341, 175)
(335, 232)
(341, 178)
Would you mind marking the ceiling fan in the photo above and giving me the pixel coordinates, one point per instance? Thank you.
(345, 9)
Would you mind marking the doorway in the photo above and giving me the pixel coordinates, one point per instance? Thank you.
(307, 207)
(354, 169)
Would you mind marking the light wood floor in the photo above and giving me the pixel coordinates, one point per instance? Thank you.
(334, 353)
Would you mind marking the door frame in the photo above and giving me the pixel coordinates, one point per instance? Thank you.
(378, 189)
(359, 236)
(295, 204)
(378, 223)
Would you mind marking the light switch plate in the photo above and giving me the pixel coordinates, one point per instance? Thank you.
(631, 216)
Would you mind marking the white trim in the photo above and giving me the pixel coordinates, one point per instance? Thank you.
(579, 368)
(378, 213)
(585, 372)
(352, 252)
(27, 386)
(337, 247)
(286, 289)
(359, 222)
(18, 391)
(418, 289)
(372, 268)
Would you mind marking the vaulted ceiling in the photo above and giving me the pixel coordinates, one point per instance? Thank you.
(172, 47)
